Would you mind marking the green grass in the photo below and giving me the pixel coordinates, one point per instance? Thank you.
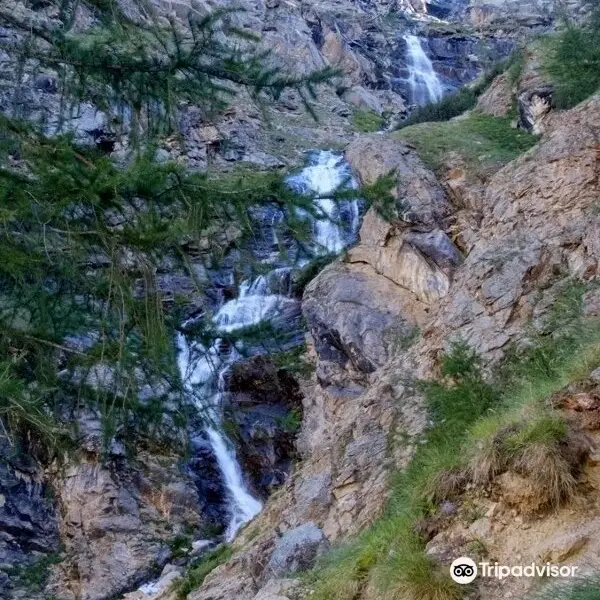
(484, 142)
(34, 576)
(367, 121)
(572, 61)
(196, 575)
(291, 422)
(467, 409)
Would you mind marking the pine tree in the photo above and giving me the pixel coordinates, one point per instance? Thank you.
(81, 319)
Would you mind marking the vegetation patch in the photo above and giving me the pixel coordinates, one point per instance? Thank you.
(196, 575)
(367, 121)
(572, 60)
(34, 576)
(484, 142)
(482, 424)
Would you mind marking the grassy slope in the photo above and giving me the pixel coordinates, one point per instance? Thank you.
(484, 142)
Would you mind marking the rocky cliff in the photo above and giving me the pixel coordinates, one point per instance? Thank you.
(472, 253)
(379, 320)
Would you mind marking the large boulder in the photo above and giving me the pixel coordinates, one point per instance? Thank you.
(297, 550)
(419, 196)
(357, 318)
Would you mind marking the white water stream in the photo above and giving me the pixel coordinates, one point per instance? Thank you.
(203, 370)
(323, 177)
(425, 85)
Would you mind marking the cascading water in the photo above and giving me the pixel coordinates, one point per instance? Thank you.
(424, 83)
(202, 372)
(323, 176)
(266, 298)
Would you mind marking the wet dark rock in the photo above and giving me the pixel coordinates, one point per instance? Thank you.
(45, 83)
(202, 468)
(265, 411)
(28, 517)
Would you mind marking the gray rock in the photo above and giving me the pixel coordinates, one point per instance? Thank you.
(313, 495)
(591, 303)
(28, 519)
(364, 99)
(420, 197)
(161, 155)
(356, 317)
(297, 550)
(437, 246)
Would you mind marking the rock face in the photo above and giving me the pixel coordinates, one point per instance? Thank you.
(414, 252)
(265, 407)
(28, 519)
(116, 522)
(497, 100)
(537, 230)
(356, 318)
(297, 550)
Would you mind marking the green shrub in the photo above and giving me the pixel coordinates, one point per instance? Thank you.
(572, 60)
(367, 121)
(445, 109)
(196, 575)
(34, 576)
(291, 422)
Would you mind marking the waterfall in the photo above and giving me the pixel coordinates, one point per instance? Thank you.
(424, 83)
(203, 371)
(265, 298)
(326, 173)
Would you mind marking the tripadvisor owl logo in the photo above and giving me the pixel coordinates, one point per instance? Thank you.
(463, 570)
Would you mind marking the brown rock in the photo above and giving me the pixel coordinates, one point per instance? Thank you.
(497, 100)
(420, 198)
(519, 492)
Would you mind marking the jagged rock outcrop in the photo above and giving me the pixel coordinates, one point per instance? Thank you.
(28, 518)
(414, 252)
(116, 523)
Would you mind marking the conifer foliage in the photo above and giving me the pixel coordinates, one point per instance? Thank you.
(81, 320)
